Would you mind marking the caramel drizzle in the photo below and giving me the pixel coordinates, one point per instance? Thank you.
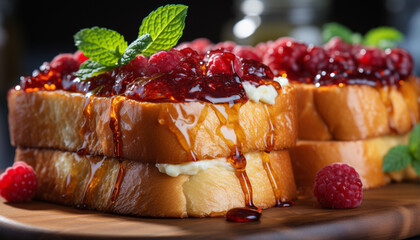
(270, 141)
(92, 182)
(117, 183)
(84, 130)
(114, 124)
(231, 132)
(183, 124)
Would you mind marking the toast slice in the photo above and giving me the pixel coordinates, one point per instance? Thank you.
(366, 156)
(131, 187)
(148, 132)
(356, 112)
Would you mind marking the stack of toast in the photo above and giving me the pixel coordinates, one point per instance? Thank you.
(170, 158)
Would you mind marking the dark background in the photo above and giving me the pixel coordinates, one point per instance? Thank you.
(32, 32)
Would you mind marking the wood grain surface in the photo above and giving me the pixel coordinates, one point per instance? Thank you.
(391, 212)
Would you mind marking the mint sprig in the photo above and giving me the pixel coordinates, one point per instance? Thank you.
(382, 37)
(400, 156)
(107, 49)
(165, 25)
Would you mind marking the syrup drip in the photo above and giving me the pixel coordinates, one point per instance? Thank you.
(84, 130)
(117, 183)
(92, 182)
(70, 185)
(270, 137)
(386, 99)
(114, 123)
(243, 215)
(274, 180)
(183, 122)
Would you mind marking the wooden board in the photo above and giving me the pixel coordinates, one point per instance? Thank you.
(388, 212)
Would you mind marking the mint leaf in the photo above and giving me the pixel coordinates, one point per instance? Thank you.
(165, 25)
(397, 158)
(101, 45)
(383, 37)
(414, 142)
(331, 30)
(90, 69)
(135, 48)
(416, 166)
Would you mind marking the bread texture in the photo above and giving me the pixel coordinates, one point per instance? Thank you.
(356, 112)
(89, 182)
(149, 132)
(366, 156)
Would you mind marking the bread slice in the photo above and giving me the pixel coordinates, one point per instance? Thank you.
(89, 182)
(356, 112)
(148, 132)
(366, 156)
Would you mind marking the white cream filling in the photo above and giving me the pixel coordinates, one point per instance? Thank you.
(264, 93)
(192, 168)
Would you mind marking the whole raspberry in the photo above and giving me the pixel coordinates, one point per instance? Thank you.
(65, 63)
(18, 183)
(163, 62)
(80, 57)
(338, 186)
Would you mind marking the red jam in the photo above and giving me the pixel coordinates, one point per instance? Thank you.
(167, 76)
(335, 63)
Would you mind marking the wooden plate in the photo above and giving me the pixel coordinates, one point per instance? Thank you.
(389, 212)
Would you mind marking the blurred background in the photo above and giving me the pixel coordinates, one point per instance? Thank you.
(32, 32)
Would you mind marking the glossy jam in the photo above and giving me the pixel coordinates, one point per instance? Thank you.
(337, 63)
(193, 78)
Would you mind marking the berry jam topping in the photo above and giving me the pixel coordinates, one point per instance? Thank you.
(338, 186)
(335, 63)
(177, 75)
(18, 183)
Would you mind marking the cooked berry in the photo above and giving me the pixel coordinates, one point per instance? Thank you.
(246, 52)
(338, 186)
(227, 46)
(373, 57)
(18, 183)
(315, 59)
(65, 63)
(337, 44)
(401, 61)
(139, 63)
(221, 63)
(80, 57)
(163, 62)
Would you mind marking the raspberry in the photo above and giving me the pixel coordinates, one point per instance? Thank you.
(315, 59)
(228, 46)
(246, 52)
(139, 63)
(65, 63)
(285, 55)
(337, 44)
(374, 57)
(201, 45)
(338, 186)
(80, 57)
(163, 62)
(18, 183)
(222, 63)
(401, 60)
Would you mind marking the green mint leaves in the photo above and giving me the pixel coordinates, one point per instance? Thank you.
(400, 156)
(107, 49)
(382, 37)
(165, 25)
(101, 45)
